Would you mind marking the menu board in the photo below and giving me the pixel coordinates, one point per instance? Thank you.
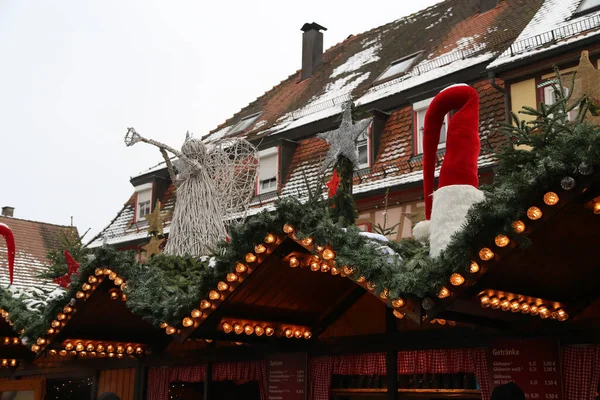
(287, 377)
(531, 364)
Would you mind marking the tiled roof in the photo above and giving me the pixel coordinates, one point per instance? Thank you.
(554, 25)
(450, 35)
(394, 166)
(33, 241)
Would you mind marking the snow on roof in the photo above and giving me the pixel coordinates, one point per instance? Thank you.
(219, 134)
(364, 57)
(551, 27)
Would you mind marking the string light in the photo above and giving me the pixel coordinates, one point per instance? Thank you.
(307, 335)
(288, 333)
(534, 310)
(237, 328)
(501, 241)
(119, 281)
(92, 279)
(98, 271)
(250, 258)
(328, 254)
(55, 324)
(227, 328)
(270, 238)
(515, 306)
(315, 266)
(222, 286)
(307, 241)
(112, 276)
(325, 267)
(86, 287)
(205, 304)
(524, 308)
(518, 226)
(187, 322)
(298, 334)
(486, 254)
(334, 271)
(287, 228)
(457, 279)
(258, 330)
(260, 248)
(231, 277)
(522, 304)
(398, 303)
(485, 301)
(474, 267)
(89, 347)
(534, 213)
(61, 317)
(196, 313)
(170, 330)
(269, 331)
(444, 292)
(248, 330)
(398, 314)
(214, 295)
(241, 268)
(294, 262)
(79, 346)
(551, 198)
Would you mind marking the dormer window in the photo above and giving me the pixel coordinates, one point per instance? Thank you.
(268, 166)
(420, 109)
(397, 68)
(362, 147)
(143, 203)
(588, 6)
(244, 123)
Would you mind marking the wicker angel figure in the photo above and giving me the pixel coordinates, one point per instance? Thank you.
(213, 181)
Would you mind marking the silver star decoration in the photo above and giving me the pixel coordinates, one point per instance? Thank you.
(342, 141)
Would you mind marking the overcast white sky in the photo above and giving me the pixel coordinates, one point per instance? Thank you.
(75, 74)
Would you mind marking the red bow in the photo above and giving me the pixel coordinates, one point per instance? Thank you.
(73, 267)
(333, 184)
(10, 249)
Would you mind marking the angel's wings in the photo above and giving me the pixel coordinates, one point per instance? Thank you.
(233, 165)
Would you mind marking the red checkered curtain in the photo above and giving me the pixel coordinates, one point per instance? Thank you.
(447, 361)
(159, 379)
(360, 364)
(319, 377)
(581, 371)
(242, 372)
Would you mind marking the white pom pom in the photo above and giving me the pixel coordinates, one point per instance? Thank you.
(421, 231)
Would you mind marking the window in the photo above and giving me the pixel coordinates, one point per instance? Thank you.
(398, 67)
(362, 147)
(550, 96)
(143, 201)
(420, 109)
(268, 165)
(244, 123)
(588, 6)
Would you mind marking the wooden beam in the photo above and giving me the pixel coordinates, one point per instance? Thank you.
(391, 357)
(335, 312)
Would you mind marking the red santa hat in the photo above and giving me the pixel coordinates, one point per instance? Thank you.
(10, 247)
(446, 209)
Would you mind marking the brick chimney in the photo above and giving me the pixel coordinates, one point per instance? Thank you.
(487, 5)
(8, 211)
(312, 48)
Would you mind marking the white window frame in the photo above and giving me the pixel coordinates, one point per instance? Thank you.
(244, 123)
(583, 9)
(549, 98)
(271, 152)
(364, 138)
(419, 111)
(412, 58)
(145, 191)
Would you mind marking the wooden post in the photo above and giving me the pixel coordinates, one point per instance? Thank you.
(207, 381)
(391, 358)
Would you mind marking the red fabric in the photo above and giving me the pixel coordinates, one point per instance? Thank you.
(581, 371)
(409, 362)
(10, 249)
(72, 268)
(159, 379)
(243, 371)
(333, 184)
(462, 140)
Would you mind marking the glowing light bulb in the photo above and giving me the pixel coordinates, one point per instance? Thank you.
(214, 295)
(294, 262)
(69, 346)
(260, 248)
(112, 276)
(52, 352)
(385, 293)
(50, 331)
(120, 349)
(551, 198)
(562, 315)
(398, 314)
(486, 254)
(227, 328)
(270, 238)
(89, 347)
(13, 363)
(114, 295)
(55, 324)
(288, 333)
(98, 271)
(4, 362)
(231, 277)
(240, 268)
(544, 312)
(334, 271)
(86, 287)
(444, 292)
(325, 267)
(170, 330)
(315, 266)
(597, 207)
(250, 258)
(187, 322)
(518, 226)
(139, 350)
(79, 346)
(515, 306)
(67, 309)
(41, 341)
(269, 331)
(525, 308)
(534, 310)
(62, 353)
(92, 279)
(196, 313)
(287, 228)
(100, 348)
(163, 325)
(248, 330)
(505, 304)
(534, 213)
(297, 334)
(502, 241)
(485, 301)
(307, 335)
(457, 279)
(205, 304)
(111, 355)
(328, 254)
(361, 279)
(399, 302)
(222, 286)
(474, 267)
(258, 330)
(61, 317)
(348, 270)
(237, 328)
(119, 281)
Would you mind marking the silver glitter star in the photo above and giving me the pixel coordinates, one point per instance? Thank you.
(342, 141)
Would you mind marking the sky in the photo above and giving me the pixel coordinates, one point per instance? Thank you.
(76, 74)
